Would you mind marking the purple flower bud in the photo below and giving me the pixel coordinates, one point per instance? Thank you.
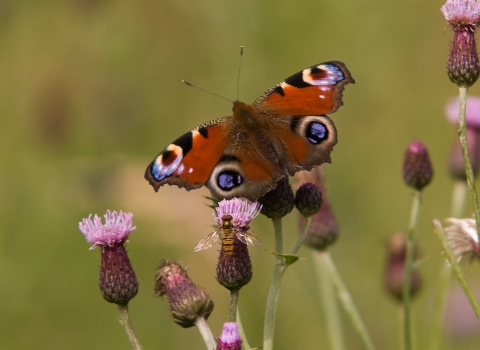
(230, 338)
(234, 268)
(278, 202)
(395, 267)
(308, 199)
(187, 301)
(417, 168)
(323, 230)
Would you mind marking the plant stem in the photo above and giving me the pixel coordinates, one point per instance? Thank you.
(125, 321)
(462, 133)
(206, 333)
(272, 301)
(407, 332)
(245, 343)
(455, 267)
(346, 299)
(459, 196)
(329, 303)
(302, 236)
(233, 305)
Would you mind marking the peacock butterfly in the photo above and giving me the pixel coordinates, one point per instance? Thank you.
(282, 132)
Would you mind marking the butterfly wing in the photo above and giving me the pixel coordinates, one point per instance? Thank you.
(189, 160)
(315, 90)
(294, 109)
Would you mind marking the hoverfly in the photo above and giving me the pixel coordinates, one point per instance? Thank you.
(226, 232)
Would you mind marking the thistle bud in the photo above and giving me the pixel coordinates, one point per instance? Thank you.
(278, 202)
(308, 199)
(118, 282)
(463, 67)
(324, 229)
(417, 168)
(188, 301)
(230, 338)
(394, 272)
(234, 268)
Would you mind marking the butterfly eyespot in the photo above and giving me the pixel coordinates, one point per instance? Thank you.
(228, 180)
(316, 132)
(167, 163)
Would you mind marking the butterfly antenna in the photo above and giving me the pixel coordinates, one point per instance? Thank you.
(208, 92)
(238, 75)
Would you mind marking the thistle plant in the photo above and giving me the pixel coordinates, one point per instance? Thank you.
(463, 69)
(118, 282)
(417, 174)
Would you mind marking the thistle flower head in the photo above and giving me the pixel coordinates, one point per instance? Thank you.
(417, 168)
(230, 338)
(308, 199)
(463, 67)
(242, 211)
(464, 13)
(395, 268)
(324, 229)
(187, 300)
(118, 282)
(116, 229)
(278, 202)
(456, 165)
(462, 237)
(472, 113)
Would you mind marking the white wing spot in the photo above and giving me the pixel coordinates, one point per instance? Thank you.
(190, 170)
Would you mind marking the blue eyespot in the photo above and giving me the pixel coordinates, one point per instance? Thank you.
(316, 132)
(228, 180)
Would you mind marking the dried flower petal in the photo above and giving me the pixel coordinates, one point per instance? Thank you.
(462, 237)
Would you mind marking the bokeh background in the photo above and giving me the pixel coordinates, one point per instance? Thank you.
(90, 92)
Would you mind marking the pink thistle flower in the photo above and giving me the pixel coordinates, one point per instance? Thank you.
(462, 238)
(463, 67)
(118, 282)
(242, 212)
(230, 338)
(452, 109)
(466, 12)
(116, 229)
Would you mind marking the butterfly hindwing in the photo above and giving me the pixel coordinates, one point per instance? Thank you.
(313, 91)
(190, 159)
(242, 171)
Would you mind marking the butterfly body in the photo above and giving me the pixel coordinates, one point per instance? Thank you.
(227, 233)
(282, 132)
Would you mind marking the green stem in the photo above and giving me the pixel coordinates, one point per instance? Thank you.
(459, 196)
(245, 342)
(346, 300)
(125, 321)
(407, 332)
(272, 301)
(302, 236)
(462, 133)
(329, 303)
(455, 267)
(206, 333)
(233, 305)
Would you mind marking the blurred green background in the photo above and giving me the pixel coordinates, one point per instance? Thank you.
(90, 92)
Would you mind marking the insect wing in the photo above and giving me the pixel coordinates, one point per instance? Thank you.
(208, 241)
(247, 238)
